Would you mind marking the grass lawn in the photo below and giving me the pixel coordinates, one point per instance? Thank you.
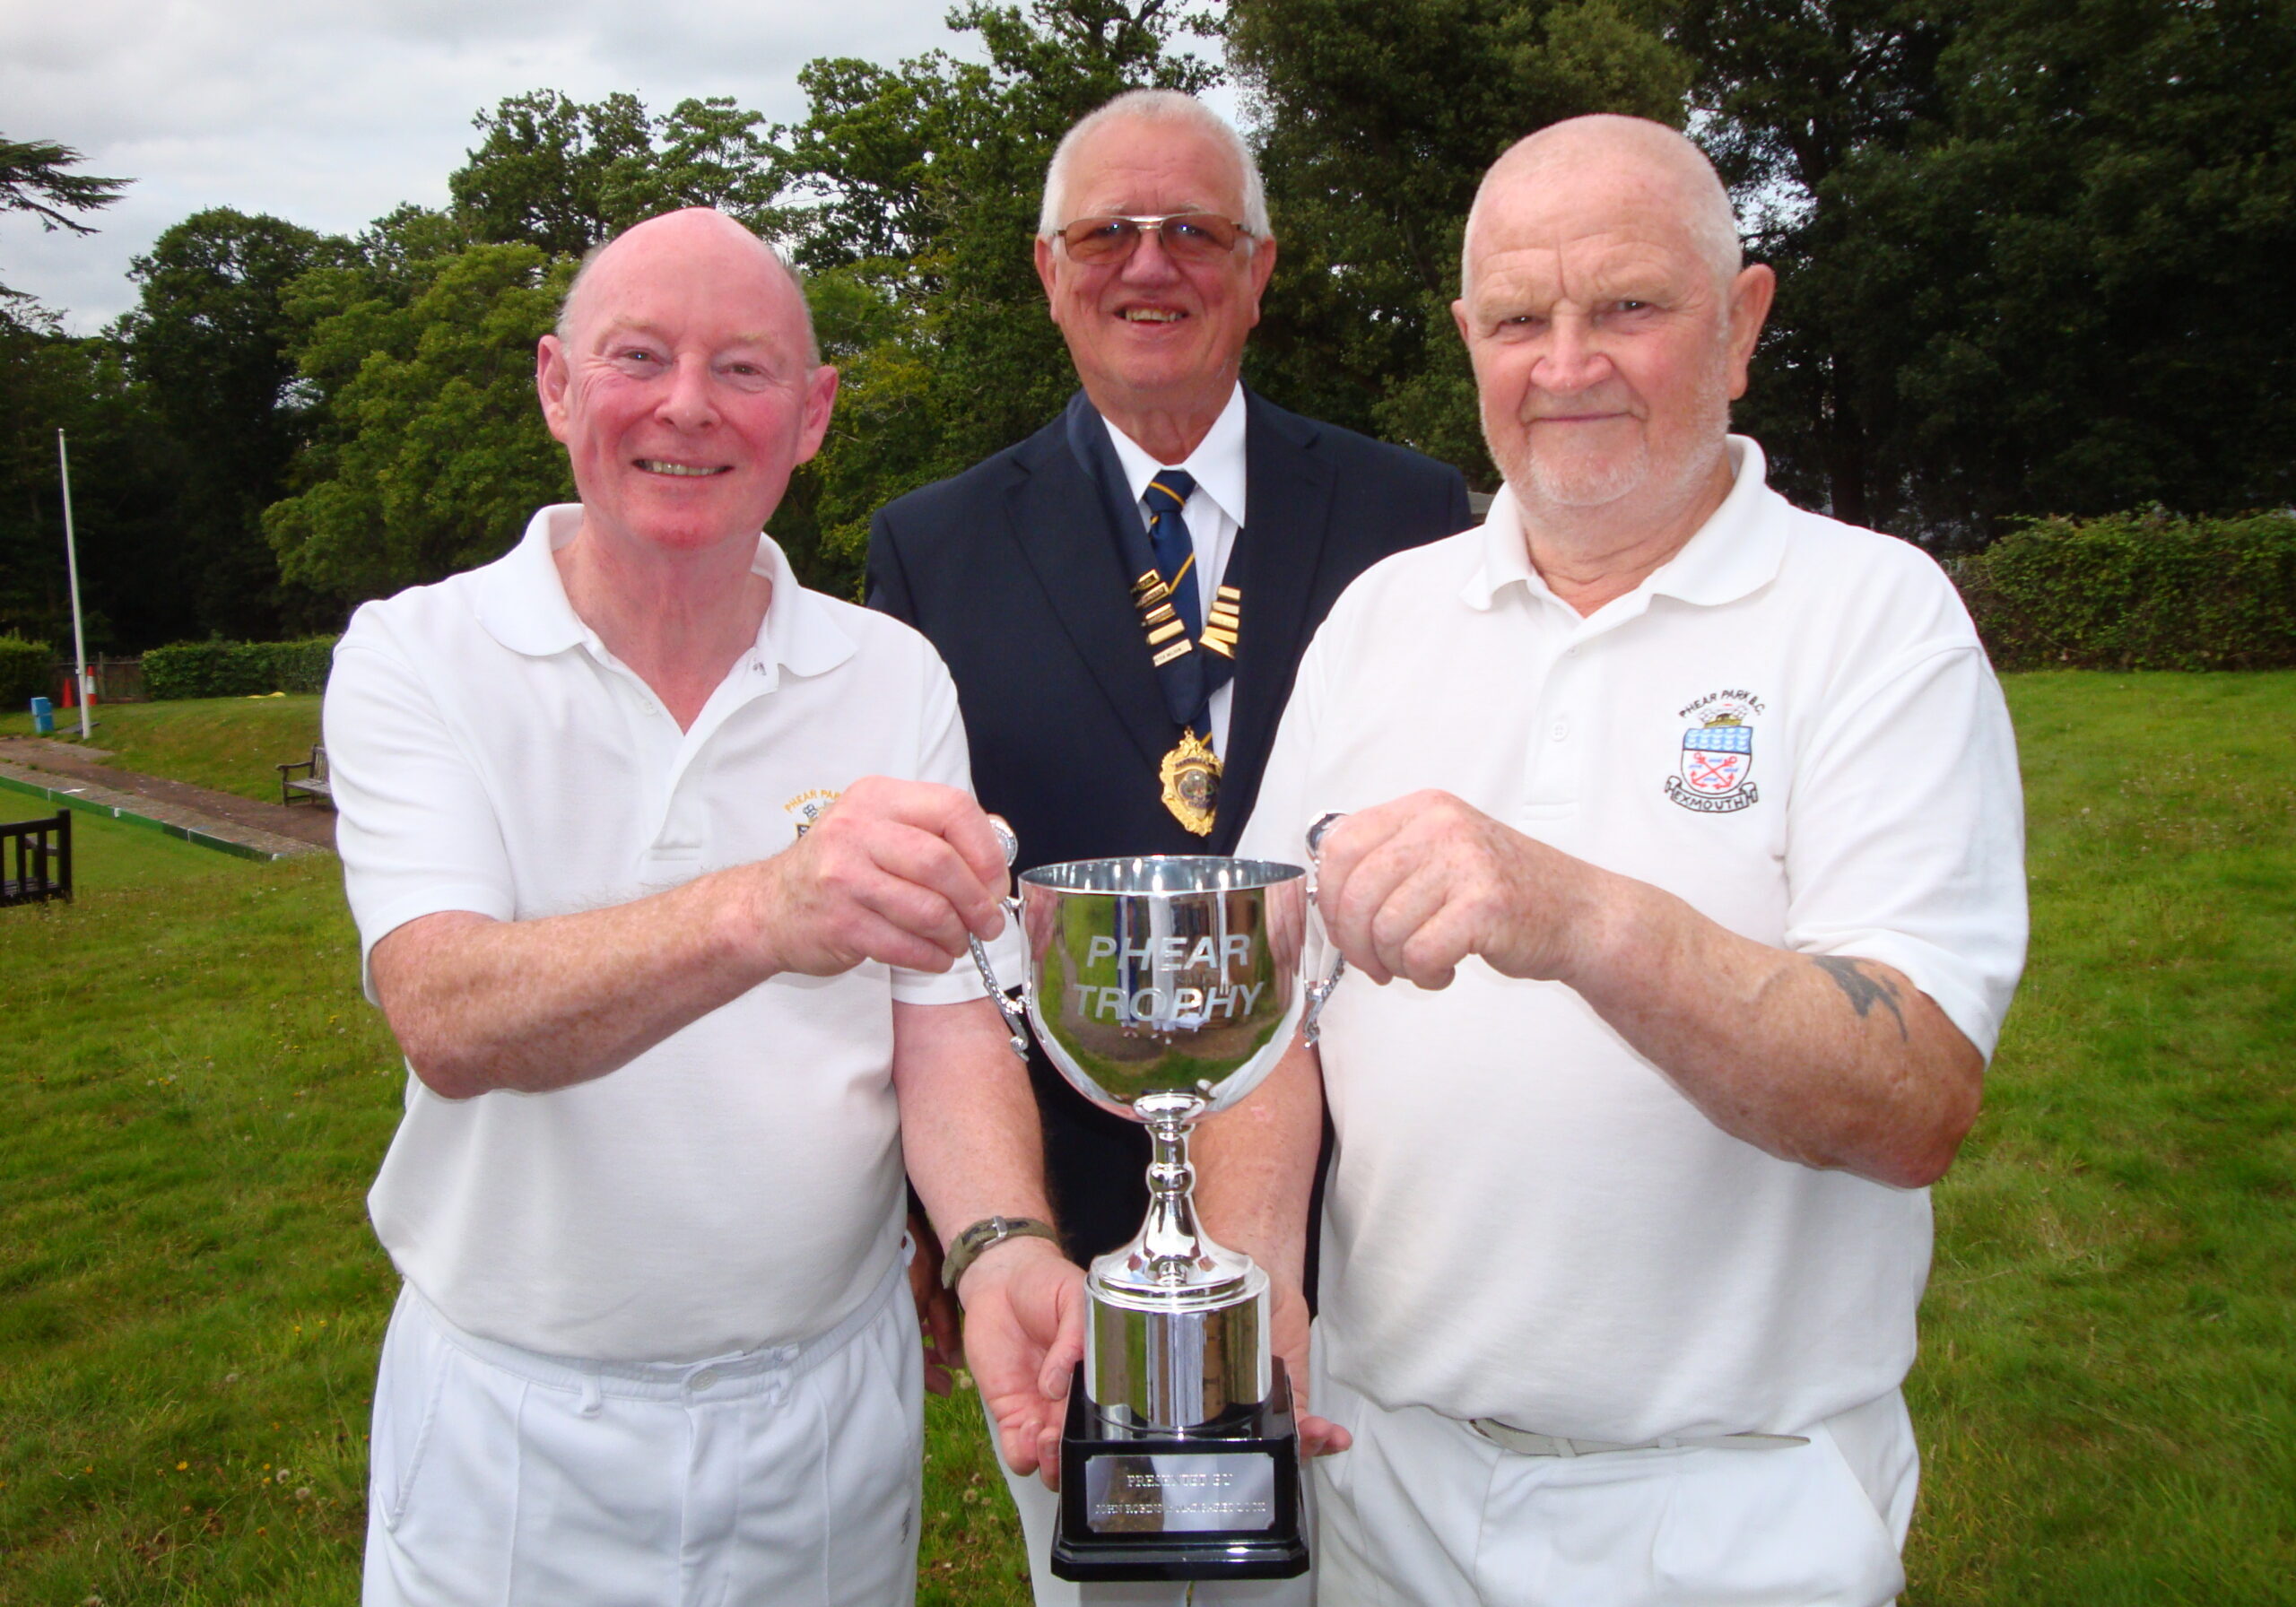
(193, 1100)
(228, 744)
(109, 858)
(2107, 1397)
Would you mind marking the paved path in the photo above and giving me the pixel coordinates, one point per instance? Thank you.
(269, 828)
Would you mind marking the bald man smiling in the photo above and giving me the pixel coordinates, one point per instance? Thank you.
(660, 864)
(1681, 872)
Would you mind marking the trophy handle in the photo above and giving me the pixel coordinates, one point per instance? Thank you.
(1317, 992)
(1015, 1022)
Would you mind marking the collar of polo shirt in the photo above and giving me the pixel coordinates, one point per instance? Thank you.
(1734, 553)
(522, 603)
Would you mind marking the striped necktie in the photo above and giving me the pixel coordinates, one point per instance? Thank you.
(1174, 547)
(1190, 680)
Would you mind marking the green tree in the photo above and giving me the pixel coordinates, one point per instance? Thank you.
(1795, 95)
(2030, 254)
(911, 193)
(554, 173)
(707, 153)
(393, 254)
(211, 341)
(1375, 121)
(2109, 226)
(417, 348)
(125, 478)
(50, 381)
(435, 453)
(33, 179)
(543, 172)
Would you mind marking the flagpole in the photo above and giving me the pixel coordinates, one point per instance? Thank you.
(72, 568)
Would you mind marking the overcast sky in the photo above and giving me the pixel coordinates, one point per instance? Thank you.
(330, 112)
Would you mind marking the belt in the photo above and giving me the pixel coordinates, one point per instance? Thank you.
(765, 1370)
(1524, 1442)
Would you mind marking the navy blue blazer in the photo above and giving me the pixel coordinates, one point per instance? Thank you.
(1013, 571)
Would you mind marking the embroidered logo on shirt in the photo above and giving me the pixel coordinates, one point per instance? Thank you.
(807, 807)
(1716, 773)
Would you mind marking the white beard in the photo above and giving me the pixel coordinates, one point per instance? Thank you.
(1659, 484)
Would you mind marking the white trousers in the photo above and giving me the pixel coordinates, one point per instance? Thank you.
(1424, 1512)
(787, 1477)
(1037, 1507)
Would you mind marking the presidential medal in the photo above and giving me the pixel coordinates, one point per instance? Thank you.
(1191, 773)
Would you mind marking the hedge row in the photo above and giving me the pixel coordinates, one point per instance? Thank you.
(24, 671)
(2135, 591)
(237, 669)
(2138, 591)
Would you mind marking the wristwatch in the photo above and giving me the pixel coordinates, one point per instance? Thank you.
(985, 1234)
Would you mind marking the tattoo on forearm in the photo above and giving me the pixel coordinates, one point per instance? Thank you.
(1864, 990)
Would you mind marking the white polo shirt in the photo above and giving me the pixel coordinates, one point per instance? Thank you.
(740, 1184)
(1791, 725)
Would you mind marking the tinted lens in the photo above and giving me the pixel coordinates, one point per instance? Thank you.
(1199, 234)
(1101, 239)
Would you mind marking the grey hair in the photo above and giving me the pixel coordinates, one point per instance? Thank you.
(1712, 225)
(1155, 106)
(564, 328)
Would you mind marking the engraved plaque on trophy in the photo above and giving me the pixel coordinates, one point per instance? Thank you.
(1164, 988)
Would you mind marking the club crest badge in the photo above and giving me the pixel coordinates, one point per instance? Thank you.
(1716, 772)
(807, 807)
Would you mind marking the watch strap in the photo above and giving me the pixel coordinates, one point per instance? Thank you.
(984, 1235)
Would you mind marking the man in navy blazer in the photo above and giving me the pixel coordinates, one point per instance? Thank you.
(1122, 598)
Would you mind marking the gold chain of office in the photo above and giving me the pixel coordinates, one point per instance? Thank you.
(1190, 772)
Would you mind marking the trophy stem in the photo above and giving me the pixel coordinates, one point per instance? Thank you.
(1177, 1338)
(1172, 1242)
(1172, 1258)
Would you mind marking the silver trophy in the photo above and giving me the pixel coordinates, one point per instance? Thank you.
(1165, 988)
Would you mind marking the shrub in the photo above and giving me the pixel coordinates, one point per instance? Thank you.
(301, 666)
(237, 669)
(24, 670)
(2138, 591)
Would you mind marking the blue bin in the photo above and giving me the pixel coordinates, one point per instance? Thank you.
(43, 717)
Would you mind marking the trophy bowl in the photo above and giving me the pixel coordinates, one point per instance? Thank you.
(1165, 988)
(1164, 982)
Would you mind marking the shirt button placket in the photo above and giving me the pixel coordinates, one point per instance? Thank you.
(1554, 768)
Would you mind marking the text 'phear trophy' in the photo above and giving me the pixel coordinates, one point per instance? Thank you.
(1165, 988)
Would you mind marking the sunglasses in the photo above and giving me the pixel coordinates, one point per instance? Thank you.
(1186, 235)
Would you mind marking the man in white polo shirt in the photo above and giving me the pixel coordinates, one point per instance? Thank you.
(659, 864)
(1683, 877)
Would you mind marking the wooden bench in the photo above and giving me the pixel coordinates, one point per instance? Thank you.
(36, 860)
(312, 784)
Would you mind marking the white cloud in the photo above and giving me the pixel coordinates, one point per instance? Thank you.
(330, 114)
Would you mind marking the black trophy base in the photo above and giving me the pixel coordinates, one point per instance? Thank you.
(1221, 1502)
